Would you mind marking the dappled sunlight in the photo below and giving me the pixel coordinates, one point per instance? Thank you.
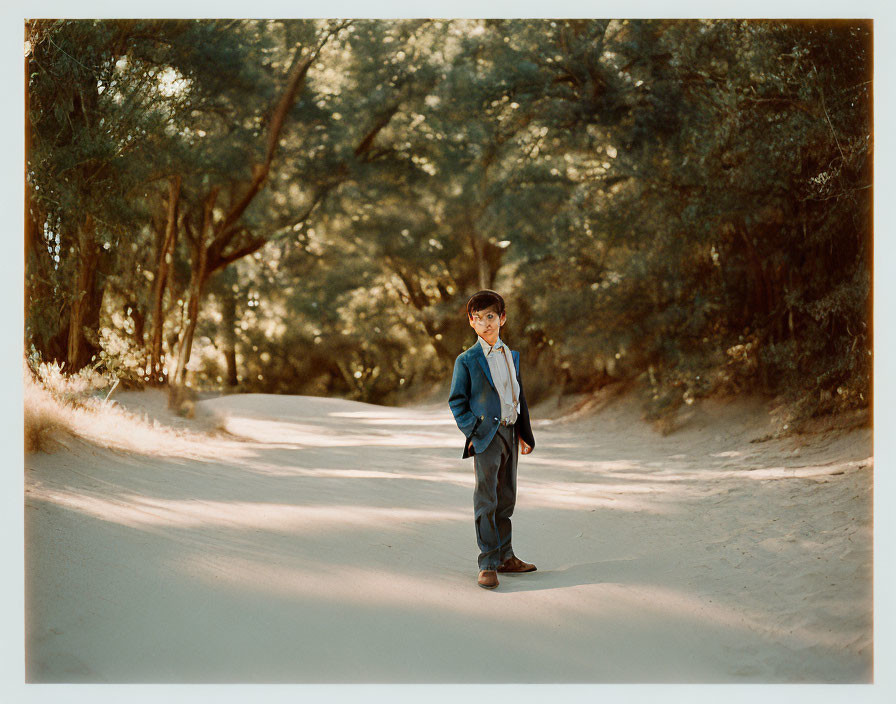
(661, 599)
(561, 497)
(548, 597)
(595, 486)
(800, 472)
(542, 445)
(276, 470)
(135, 511)
(310, 435)
(637, 498)
(392, 417)
(707, 475)
(404, 422)
(590, 465)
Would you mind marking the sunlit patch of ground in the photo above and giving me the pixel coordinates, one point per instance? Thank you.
(295, 539)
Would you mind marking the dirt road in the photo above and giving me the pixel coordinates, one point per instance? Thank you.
(321, 540)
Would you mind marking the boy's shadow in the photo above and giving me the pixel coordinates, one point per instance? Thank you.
(574, 575)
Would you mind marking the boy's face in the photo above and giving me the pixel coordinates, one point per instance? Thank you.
(487, 324)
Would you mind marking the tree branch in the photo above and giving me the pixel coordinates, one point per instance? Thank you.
(253, 245)
(295, 81)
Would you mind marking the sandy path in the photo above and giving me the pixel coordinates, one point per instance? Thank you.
(332, 541)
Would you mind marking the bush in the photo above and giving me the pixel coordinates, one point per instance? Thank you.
(43, 415)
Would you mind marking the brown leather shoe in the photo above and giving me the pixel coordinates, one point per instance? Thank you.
(488, 579)
(515, 564)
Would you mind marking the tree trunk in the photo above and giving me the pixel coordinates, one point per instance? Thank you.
(346, 375)
(30, 225)
(482, 268)
(166, 253)
(230, 359)
(83, 295)
(759, 288)
(228, 328)
(139, 319)
(197, 280)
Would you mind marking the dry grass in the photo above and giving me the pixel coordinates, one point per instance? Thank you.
(54, 402)
(59, 406)
(44, 416)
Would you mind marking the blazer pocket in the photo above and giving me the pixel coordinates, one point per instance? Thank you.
(472, 434)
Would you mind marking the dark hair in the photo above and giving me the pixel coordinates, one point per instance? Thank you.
(485, 299)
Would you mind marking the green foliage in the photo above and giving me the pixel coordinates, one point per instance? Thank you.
(736, 205)
(685, 203)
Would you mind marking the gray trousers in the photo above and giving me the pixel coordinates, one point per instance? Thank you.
(495, 496)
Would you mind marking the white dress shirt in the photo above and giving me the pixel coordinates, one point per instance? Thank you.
(503, 378)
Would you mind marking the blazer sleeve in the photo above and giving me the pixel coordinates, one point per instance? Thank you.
(459, 398)
(523, 422)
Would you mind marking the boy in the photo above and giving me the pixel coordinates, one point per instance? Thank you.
(490, 409)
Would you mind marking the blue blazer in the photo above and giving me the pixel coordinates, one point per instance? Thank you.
(475, 403)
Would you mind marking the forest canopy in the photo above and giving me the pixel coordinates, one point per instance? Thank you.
(305, 206)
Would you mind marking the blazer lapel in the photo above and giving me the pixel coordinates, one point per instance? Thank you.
(480, 356)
